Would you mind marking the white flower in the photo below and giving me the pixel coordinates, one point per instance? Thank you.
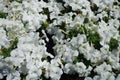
(103, 14)
(31, 56)
(85, 49)
(69, 68)
(79, 4)
(53, 71)
(88, 70)
(107, 75)
(52, 6)
(4, 41)
(88, 78)
(118, 77)
(114, 61)
(42, 4)
(17, 52)
(105, 51)
(96, 77)
(31, 15)
(78, 41)
(57, 62)
(58, 35)
(104, 76)
(1, 76)
(95, 56)
(80, 68)
(106, 32)
(103, 68)
(78, 20)
(13, 76)
(16, 61)
(32, 76)
(66, 53)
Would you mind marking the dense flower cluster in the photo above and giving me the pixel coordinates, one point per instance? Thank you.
(45, 39)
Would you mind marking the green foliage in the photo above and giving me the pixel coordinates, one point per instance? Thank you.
(67, 9)
(62, 26)
(44, 25)
(44, 78)
(117, 72)
(23, 76)
(119, 29)
(43, 75)
(60, 1)
(6, 51)
(94, 39)
(86, 20)
(3, 15)
(20, 1)
(79, 29)
(113, 44)
(94, 7)
(80, 58)
(74, 32)
(96, 22)
(46, 1)
(115, 3)
(105, 19)
(45, 11)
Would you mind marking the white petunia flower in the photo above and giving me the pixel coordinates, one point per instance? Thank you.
(1, 76)
(13, 76)
(69, 68)
(103, 68)
(4, 41)
(53, 70)
(118, 77)
(80, 68)
(88, 78)
(32, 76)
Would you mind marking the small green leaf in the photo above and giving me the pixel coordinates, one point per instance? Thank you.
(74, 32)
(45, 11)
(106, 19)
(62, 26)
(113, 44)
(20, 1)
(81, 58)
(86, 20)
(119, 29)
(3, 15)
(44, 25)
(94, 39)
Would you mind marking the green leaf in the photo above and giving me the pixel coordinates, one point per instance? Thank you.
(86, 20)
(45, 11)
(62, 26)
(19, 1)
(44, 25)
(3, 15)
(81, 58)
(119, 29)
(74, 32)
(94, 39)
(106, 19)
(113, 44)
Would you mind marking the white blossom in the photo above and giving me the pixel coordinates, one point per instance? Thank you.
(4, 41)
(28, 26)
